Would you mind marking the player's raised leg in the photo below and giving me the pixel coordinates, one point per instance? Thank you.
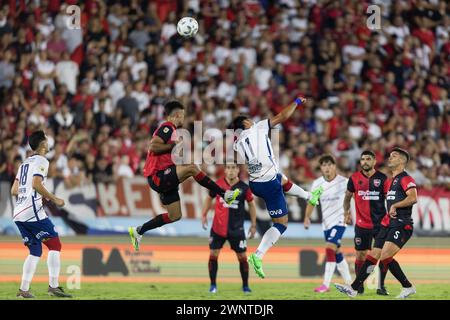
(173, 214)
(272, 193)
(270, 237)
(191, 170)
(291, 189)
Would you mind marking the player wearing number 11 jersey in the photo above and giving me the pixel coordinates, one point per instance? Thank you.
(265, 179)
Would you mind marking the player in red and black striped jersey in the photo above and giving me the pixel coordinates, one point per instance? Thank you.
(164, 176)
(369, 187)
(228, 224)
(401, 197)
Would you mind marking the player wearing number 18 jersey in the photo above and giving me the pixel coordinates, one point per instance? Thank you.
(31, 219)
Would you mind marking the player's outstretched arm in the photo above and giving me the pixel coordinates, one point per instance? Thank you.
(287, 112)
(206, 206)
(15, 188)
(158, 146)
(39, 187)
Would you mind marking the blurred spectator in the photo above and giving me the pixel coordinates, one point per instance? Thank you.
(7, 71)
(124, 169)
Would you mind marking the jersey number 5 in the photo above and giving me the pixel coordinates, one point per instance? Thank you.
(23, 174)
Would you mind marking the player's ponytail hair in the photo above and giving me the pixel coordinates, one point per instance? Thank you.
(36, 138)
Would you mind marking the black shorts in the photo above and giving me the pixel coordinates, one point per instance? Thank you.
(238, 244)
(399, 234)
(165, 182)
(363, 238)
(380, 237)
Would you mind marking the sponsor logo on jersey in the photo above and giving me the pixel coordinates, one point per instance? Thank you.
(42, 234)
(377, 182)
(275, 212)
(390, 195)
(254, 167)
(166, 129)
(369, 195)
(167, 171)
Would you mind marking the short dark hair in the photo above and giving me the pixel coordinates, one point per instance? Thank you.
(238, 122)
(171, 106)
(403, 152)
(368, 153)
(327, 158)
(36, 138)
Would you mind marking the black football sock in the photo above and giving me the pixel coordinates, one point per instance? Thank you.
(381, 275)
(366, 270)
(213, 266)
(243, 267)
(206, 182)
(358, 265)
(156, 222)
(397, 271)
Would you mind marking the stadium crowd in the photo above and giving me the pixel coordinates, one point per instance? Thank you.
(99, 90)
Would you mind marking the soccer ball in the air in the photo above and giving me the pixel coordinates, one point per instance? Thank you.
(187, 27)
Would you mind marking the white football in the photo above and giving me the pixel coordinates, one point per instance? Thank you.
(187, 27)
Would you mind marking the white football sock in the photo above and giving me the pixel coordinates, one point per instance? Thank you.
(329, 270)
(54, 266)
(297, 191)
(29, 268)
(269, 239)
(344, 271)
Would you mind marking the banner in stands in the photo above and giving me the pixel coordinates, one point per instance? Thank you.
(133, 198)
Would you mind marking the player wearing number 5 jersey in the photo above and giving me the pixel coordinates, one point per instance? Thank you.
(228, 224)
(331, 202)
(31, 219)
(265, 179)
